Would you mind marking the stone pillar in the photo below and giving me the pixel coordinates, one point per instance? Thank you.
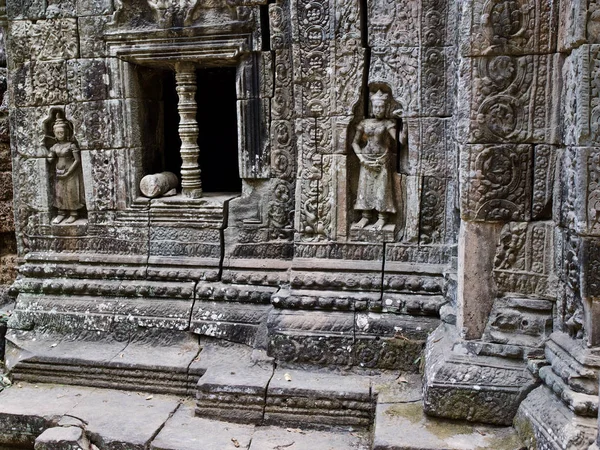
(476, 288)
(8, 244)
(507, 104)
(185, 78)
(562, 413)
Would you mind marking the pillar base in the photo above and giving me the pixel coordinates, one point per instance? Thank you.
(544, 422)
(463, 381)
(192, 193)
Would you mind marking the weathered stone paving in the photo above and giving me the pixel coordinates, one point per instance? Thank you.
(56, 417)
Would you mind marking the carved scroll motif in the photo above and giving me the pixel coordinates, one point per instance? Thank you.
(497, 182)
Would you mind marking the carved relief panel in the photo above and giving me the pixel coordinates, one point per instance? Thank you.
(283, 137)
(64, 158)
(406, 23)
(509, 27)
(590, 287)
(580, 182)
(496, 182)
(581, 104)
(524, 259)
(180, 13)
(511, 99)
(408, 52)
(375, 146)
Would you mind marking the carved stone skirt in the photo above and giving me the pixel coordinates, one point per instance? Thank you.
(68, 192)
(375, 190)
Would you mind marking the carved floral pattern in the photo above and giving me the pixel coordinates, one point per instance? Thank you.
(512, 26)
(496, 182)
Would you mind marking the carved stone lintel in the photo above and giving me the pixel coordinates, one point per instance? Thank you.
(185, 78)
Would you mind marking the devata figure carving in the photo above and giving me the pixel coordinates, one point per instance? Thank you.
(374, 144)
(64, 155)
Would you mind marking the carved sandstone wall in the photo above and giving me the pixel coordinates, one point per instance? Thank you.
(410, 171)
(8, 248)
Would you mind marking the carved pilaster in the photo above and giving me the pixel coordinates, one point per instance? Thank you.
(185, 78)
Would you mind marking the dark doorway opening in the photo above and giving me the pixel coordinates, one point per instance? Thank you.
(217, 122)
(172, 151)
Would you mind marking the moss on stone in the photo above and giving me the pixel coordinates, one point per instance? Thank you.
(413, 412)
(446, 429)
(511, 442)
(525, 430)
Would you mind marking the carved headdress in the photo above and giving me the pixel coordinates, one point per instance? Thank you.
(60, 122)
(379, 97)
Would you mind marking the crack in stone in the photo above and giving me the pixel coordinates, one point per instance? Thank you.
(274, 367)
(160, 427)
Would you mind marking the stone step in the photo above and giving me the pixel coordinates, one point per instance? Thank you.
(319, 399)
(169, 368)
(238, 390)
(50, 417)
(234, 385)
(240, 387)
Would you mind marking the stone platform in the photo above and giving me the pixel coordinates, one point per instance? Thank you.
(56, 417)
(190, 394)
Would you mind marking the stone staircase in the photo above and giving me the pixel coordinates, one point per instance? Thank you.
(219, 396)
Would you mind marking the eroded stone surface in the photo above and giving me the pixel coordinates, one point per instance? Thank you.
(272, 437)
(430, 433)
(185, 431)
(62, 438)
(115, 419)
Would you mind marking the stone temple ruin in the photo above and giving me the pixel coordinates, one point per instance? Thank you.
(357, 185)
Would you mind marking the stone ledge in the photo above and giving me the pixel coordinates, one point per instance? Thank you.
(151, 364)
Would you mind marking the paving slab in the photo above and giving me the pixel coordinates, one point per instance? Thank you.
(275, 438)
(27, 410)
(184, 431)
(117, 419)
(397, 388)
(404, 426)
